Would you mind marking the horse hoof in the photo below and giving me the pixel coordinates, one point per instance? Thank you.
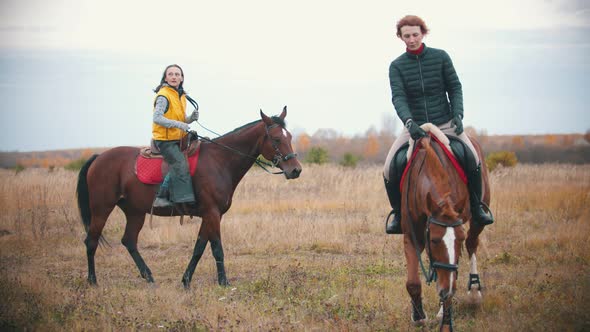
(186, 285)
(92, 281)
(439, 315)
(474, 297)
(446, 328)
(420, 322)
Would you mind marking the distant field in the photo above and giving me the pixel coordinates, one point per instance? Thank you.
(307, 254)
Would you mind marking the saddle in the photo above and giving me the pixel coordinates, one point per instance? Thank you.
(152, 151)
(151, 168)
(459, 154)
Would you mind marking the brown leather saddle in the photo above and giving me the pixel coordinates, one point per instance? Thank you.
(152, 151)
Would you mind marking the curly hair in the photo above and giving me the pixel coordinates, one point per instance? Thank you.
(411, 20)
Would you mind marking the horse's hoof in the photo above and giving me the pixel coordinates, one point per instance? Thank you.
(92, 281)
(224, 283)
(186, 285)
(446, 328)
(440, 313)
(474, 297)
(420, 322)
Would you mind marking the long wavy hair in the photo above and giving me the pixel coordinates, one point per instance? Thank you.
(180, 88)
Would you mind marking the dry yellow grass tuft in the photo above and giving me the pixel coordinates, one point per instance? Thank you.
(308, 254)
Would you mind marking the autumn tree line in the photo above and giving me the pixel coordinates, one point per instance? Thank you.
(329, 146)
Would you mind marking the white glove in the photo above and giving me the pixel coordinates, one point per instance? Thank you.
(184, 126)
(194, 116)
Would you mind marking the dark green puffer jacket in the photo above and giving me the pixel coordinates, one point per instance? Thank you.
(420, 84)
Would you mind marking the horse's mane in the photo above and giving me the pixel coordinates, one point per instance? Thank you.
(275, 119)
(439, 176)
(434, 130)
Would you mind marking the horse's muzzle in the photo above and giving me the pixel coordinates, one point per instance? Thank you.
(293, 174)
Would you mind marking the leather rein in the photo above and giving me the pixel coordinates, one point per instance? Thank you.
(277, 158)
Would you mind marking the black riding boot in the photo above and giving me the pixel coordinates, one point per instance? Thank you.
(477, 213)
(393, 224)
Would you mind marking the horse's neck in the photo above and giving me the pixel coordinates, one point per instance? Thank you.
(433, 172)
(247, 142)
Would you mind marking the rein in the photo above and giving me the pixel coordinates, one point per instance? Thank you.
(433, 265)
(277, 158)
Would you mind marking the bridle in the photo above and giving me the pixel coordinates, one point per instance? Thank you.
(278, 157)
(433, 265)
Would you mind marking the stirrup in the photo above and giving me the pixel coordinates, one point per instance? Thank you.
(392, 230)
(161, 202)
(487, 212)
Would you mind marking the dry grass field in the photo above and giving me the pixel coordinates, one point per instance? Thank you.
(308, 254)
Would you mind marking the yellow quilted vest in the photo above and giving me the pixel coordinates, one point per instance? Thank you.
(176, 111)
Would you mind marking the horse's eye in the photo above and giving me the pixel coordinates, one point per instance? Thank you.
(435, 241)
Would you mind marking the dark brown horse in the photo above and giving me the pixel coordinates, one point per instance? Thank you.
(108, 180)
(435, 206)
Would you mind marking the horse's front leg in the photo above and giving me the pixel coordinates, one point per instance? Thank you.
(446, 323)
(474, 284)
(200, 245)
(413, 284)
(217, 250)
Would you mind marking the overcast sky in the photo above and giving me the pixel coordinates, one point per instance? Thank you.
(79, 73)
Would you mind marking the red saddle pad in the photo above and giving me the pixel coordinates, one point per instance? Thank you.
(149, 170)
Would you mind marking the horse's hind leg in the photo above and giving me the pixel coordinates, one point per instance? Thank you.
(98, 220)
(474, 284)
(134, 225)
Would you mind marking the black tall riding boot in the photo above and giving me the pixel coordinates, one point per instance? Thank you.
(477, 213)
(393, 225)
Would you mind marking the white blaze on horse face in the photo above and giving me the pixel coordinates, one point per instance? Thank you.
(449, 240)
(284, 132)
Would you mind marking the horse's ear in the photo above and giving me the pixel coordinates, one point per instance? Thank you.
(266, 119)
(284, 113)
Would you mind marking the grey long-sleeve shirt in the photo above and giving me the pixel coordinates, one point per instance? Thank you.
(160, 108)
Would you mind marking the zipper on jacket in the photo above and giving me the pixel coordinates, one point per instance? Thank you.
(423, 90)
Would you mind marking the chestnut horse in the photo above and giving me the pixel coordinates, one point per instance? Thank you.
(108, 180)
(435, 206)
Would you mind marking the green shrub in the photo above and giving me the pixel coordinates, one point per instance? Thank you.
(349, 160)
(504, 158)
(18, 168)
(317, 155)
(75, 165)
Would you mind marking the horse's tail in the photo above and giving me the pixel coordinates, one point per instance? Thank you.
(82, 194)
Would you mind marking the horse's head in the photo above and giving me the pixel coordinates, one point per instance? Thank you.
(444, 229)
(277, 145)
